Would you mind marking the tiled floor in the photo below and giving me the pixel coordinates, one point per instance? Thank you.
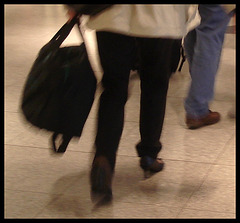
(199, 178)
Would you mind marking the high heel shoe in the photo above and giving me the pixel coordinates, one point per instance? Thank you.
(151, 166)
(101, 181)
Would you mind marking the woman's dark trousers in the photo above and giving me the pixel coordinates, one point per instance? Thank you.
(117, 54)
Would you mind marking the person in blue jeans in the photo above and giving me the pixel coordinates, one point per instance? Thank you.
(203, 47)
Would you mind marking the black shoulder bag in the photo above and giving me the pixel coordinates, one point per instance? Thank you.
(60, 88)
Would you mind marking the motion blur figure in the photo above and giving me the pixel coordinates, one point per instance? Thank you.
(119, 29)
(203, 47)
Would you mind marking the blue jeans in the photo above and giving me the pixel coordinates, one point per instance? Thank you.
(203, 47)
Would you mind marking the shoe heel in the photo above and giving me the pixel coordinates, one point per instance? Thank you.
(146, 162)
(150, 166)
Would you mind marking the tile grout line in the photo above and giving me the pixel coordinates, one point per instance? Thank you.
(197, 188)
(123, 155)
(223, 149)
(212, 165)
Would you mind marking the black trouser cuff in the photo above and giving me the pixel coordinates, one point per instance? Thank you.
(151, 151)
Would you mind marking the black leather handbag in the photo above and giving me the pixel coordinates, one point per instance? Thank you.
(60, 88)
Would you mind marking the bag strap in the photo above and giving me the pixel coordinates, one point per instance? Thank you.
(63, 32)
(183, 59)
(64, 142)
(56, 41)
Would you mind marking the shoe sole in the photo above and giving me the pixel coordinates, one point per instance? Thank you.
(192, 127)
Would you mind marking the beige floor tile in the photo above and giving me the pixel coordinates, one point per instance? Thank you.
(179, 83)
(217, 193)
(36, 170)
(130, 186)
(24, 204)
(190, 145)
(133, 211)
(30, 136)
(228, 157)
(73, 207)
(66, 206)
(197, 214)
(214, 196)
(181, 172)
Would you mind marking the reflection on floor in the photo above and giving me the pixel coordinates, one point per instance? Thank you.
(199, 178)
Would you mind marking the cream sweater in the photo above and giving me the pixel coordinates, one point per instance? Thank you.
(159, 20)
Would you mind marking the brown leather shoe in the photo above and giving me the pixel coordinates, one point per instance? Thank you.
(211, 118)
